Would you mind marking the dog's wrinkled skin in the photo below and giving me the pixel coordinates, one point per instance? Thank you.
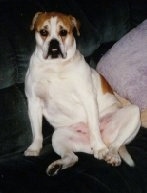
(74, 98)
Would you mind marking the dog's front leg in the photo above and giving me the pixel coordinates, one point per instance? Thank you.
(35, 115)
(89, 101)
(98, 146)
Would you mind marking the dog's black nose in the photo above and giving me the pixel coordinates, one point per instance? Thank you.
(54, 49)
(54, 44)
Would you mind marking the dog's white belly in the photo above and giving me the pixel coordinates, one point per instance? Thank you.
(63, 114)
(61, 106)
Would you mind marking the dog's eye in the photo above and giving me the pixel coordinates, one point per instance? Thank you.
(63, 32)
(44, 32)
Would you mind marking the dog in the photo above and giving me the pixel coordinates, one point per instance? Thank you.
(76, 100)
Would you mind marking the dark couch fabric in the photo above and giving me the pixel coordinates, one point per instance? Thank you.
(13, 120)
(27, 174)
(103, 22)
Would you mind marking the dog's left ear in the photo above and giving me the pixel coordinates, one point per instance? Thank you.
(76, 24)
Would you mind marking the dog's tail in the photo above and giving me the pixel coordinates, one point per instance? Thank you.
(124, 154)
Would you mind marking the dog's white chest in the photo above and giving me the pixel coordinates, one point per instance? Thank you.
(52, 85)
(60, 101)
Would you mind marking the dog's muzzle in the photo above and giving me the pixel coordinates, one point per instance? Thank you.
(54, 50)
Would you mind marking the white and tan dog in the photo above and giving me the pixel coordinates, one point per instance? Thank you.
(75, 99)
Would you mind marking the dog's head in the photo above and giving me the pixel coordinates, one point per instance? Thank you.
(54, 34)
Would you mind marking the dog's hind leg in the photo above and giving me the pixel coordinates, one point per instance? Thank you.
(127, 122)
(64, 148)
(65, 142)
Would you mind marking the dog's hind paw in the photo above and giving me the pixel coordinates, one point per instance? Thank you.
(63, 163)
(113, 158)
(53, 169)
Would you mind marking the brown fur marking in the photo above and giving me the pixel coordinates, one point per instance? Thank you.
(106, 88)
(42, 17)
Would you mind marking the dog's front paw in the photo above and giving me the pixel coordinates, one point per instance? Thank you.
(32, 150)
(100, 153)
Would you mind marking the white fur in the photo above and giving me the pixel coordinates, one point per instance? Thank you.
(68, 93)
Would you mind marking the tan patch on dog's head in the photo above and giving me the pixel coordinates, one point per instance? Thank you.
(69, 21)
(106, 88)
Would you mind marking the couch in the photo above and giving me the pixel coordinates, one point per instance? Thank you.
(103, 22)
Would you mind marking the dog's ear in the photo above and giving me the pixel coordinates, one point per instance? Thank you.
(76, 24)
(34, 20)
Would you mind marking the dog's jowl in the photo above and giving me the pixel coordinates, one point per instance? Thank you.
(75, 99)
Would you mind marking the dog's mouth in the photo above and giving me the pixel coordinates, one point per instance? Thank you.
(54, 50)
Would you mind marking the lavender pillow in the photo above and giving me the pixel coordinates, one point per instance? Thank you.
(125, 66)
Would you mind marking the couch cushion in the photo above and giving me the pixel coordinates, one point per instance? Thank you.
(15, 131)
(138, 11)
(7, 56)
(125, 66)
(109, 19)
